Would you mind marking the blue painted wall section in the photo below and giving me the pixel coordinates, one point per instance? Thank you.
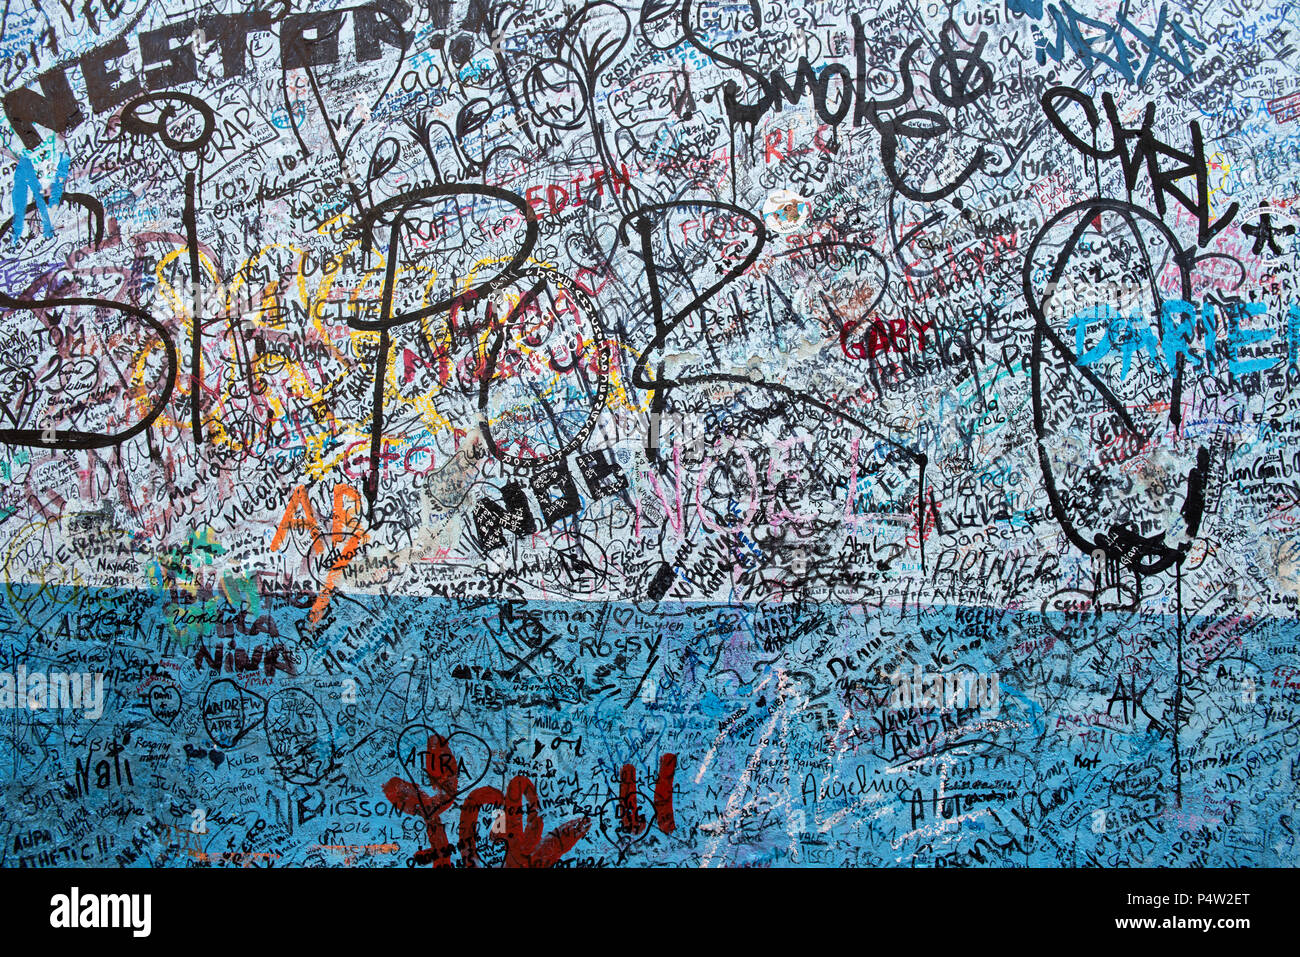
(664, 433)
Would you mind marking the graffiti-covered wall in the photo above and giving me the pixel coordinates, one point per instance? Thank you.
(680, 432)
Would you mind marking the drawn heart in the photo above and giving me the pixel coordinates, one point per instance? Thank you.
(17, 396)
(472, 754)
(165, 702)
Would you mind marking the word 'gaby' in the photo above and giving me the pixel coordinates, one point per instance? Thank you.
(102, 910)
(1181, 323)
(38, 691)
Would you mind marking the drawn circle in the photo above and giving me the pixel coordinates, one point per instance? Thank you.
(299, 737)
(584, 308)
(170, 103)
(227, 709)
(556, 95)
